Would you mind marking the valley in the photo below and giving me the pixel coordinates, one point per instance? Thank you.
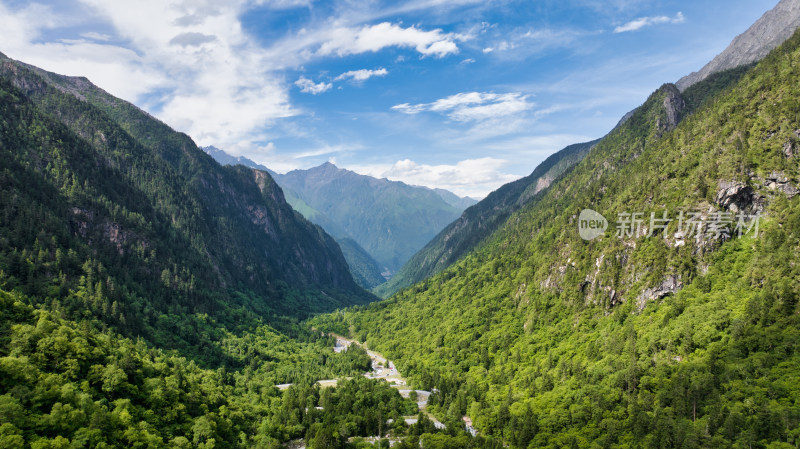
(381, 369)
(318, 274)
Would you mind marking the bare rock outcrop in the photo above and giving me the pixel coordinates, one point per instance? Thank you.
(778, 181)
(669, 286)
(738, 197)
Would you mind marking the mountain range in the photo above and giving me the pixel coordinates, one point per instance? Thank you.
(387, 220)
(226, 159)
(105, 194)
(391, 220)
(150, 297)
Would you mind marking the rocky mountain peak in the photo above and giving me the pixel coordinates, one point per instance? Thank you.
(772, 29)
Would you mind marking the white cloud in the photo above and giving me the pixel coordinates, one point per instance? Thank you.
(188, 63)
(524, 42)
(406, 108)
(467, 61)
(344, 41)
(96, 36)
(24, 25)
(642, 22)
(192, 65)
(362, 75)
(309, 87)
(470, 177)
(192, 39)
(541, 145)
(472, 106)
(284, 4)
(417, 5)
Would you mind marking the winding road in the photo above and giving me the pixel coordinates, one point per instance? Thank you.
(382, 368)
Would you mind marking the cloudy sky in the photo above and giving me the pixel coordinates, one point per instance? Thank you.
(460, 94)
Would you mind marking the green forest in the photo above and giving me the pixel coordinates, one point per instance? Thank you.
(67, 385)
(136, 309)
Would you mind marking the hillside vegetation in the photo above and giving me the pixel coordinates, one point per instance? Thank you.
(112, 217)
(547, 340)
(150, 298)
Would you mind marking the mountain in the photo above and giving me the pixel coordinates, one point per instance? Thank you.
(389, 219)
(386, 235)
(481, 220)
(676, 326)
(126, 221)
(455, 200)
(226, 159)
(150, 297)
(772, 29)
(366, 271)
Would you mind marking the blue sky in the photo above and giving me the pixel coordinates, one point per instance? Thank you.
(465, 95)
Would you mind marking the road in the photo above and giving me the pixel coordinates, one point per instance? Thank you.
(381, 369)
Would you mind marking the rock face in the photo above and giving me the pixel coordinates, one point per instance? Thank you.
(790, 148)
(674, 106)
(771, 30)
(778, 181)
(737, 196)
(669, 286)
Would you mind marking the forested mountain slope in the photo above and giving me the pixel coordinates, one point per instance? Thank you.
(684, 338)
(481, 220)
(113, 216)
(391, 220)
(366, 271)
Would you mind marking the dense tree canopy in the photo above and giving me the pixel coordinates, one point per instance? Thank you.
(546, 340)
